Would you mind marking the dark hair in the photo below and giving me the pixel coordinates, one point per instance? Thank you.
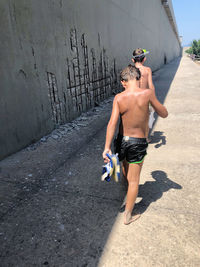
(130, 73)
(137, 54)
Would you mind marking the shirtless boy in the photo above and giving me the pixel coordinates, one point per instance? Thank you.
(132, 106)
(146, 74)
(146, 81)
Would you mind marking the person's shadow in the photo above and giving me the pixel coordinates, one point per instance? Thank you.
(158, 138)
(152, 191)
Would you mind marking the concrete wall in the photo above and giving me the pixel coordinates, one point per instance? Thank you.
(59, 57)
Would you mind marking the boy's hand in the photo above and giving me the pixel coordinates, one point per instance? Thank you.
(105, 158)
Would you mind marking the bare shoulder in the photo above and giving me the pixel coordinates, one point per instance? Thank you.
(118, 96)
(147, 92)
(149, 69)
(121, 94)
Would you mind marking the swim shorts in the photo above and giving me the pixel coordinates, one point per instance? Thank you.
(130, 148)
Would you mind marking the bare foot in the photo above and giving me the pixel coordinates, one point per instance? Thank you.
(128, 218)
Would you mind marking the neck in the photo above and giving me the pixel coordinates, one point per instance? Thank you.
(138, 64)
(132, 84)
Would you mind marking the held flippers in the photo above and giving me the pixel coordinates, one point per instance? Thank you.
(111, 169)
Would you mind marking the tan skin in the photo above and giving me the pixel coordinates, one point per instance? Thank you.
(146, 81)
(132, 105)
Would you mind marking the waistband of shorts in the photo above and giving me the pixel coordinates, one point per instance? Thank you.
(135, 140)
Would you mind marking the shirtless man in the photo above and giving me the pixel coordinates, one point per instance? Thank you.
(132, 106)
(146, 81)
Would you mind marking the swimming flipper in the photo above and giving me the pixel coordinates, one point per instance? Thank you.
(116, 171)
(111, 169)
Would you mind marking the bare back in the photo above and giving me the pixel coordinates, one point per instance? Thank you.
(144, 77)
(133, 108)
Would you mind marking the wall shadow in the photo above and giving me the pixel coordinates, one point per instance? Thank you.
(67, 222)
(163, 78)
(152, 191)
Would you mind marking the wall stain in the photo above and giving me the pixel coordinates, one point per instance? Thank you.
(33, 53)
(54, 98)
(21, 71)
(91, 78)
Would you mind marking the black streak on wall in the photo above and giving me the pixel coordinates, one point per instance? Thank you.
(90, 79)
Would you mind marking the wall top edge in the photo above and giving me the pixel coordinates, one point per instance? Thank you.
(167, 4)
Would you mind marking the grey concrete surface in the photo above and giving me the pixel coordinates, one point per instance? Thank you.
(60, 57)
(55, 211)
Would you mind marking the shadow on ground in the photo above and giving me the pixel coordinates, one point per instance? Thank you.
(158, 138)
(68, 219)
(162, 80)
(152, 191)
(164, 77)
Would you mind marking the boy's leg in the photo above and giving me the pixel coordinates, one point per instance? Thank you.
(125, 168)
(133, 177)
(124, 181)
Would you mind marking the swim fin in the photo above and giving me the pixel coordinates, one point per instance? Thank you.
(111, 169)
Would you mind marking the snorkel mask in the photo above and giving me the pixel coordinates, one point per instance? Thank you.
(145, 52)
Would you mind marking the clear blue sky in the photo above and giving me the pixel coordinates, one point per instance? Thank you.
(187, 13)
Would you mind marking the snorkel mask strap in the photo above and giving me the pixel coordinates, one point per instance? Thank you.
(145, 52)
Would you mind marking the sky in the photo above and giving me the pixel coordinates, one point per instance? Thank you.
(187, 13)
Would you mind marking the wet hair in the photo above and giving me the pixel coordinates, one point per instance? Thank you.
(130, 73)
(138, 52)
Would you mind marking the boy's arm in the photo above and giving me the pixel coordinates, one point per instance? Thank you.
(111, 128)
(150, 80)
(159, 108)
